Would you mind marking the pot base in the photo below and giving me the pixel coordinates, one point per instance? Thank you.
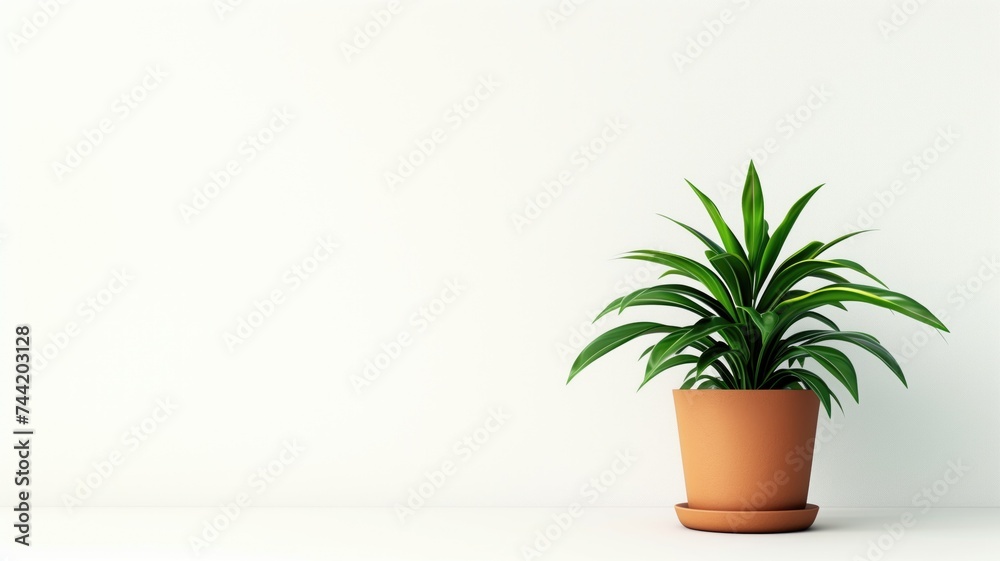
(747, 522)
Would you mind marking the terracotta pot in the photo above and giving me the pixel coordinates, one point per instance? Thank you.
(746, 450)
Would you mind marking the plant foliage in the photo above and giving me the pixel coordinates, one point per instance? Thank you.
(745, 304)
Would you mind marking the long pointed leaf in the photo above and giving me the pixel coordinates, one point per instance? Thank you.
(866, 342)
(729, 239)
(822, 319)
(860, 293)
(613, 339)
(774, 245)
(713, 354)
(817, 385)
(696, 295)
(735, 275)
(837, 364)
(847, 236)
(784, 280)
(710, 382)
(704, 239)
(689, 268)
(661, 295)
(678, 340)
(828, 276)
(753, 215)
(676, 360)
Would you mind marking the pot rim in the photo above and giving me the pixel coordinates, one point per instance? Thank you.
(747, 391)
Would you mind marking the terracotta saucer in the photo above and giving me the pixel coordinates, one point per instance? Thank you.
(747, 522)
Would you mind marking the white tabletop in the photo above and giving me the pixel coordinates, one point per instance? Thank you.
(497, 533)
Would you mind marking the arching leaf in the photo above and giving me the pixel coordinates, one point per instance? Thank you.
(613, 339)
(838, 293)
(774, 245)
(729, 239)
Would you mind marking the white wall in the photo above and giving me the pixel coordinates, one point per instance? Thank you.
(524, 293)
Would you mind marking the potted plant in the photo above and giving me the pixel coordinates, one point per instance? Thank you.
(748, 405)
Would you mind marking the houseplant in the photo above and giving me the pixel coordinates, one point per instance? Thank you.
(748, 404)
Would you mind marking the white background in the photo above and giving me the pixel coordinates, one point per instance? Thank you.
(527, 291)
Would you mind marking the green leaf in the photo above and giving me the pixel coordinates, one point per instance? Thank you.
(828, 276)
(774, 245)
(813, 250)
(822, 319)
(860, 293)
(828, 245)
(676, 360)
(713, 354)
(698, 296)
(785, 279)
(711, 382)
(658, 356)
(691, 269)
(837, 364)
(704, 239)
(805, 336)
(765, 322)
(817, 385)
(613, 339)
(735, 275)
(729, 239)
(753, 215)
(678, 340)
(669, 272)
(807, 251)
(662, 295)
(866, 342)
